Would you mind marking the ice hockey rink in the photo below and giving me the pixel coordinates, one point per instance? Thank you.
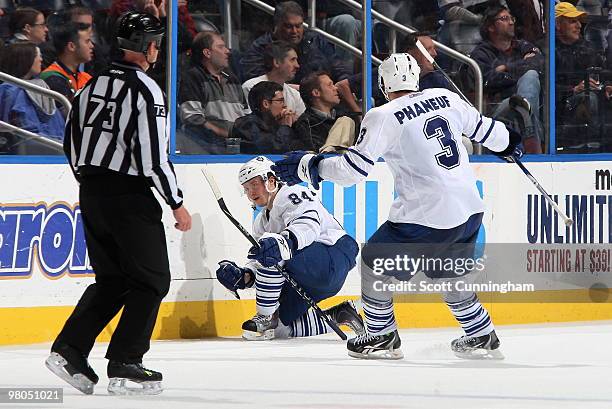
(546, 366)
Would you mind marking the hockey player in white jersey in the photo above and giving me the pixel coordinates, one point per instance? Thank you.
(419, 136)
(295, 231)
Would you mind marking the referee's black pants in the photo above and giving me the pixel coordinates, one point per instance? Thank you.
(127, 248)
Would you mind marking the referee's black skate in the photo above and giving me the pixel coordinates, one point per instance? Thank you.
(122, 376)
(260, 327)
(71, 366)
(346, 314)
(483, 347)
(367, 346)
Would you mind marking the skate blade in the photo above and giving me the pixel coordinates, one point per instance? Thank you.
(56, 363)
(258, 336)
(383, 354)
(122, 387)
(481, 354)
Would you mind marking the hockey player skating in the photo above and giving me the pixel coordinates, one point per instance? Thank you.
(418, 134)
(294, 230)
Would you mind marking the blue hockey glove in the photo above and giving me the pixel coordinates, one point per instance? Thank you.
(514, 149)
(273, 248)
(232, 277)
(298, 166)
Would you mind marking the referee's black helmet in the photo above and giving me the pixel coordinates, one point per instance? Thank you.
(136, 30)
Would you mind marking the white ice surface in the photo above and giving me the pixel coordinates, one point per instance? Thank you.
(551, 366)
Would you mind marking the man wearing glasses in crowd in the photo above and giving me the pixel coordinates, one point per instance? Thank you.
(511, 70)
(268, 129)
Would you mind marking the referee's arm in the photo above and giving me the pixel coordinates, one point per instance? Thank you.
(153, 143)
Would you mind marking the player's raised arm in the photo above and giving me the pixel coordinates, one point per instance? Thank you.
(372, 143)
(492, 134)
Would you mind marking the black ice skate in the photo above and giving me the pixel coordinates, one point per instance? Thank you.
(346, 314)
(483, 347)
(260, 327)
(71, 366)
(122, 375)
(368, 346)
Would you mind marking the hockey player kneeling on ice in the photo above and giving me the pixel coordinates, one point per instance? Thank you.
(296, 232)
(419, 136)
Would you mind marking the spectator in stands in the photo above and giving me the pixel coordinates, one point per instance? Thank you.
(27, 110)
(314, 52)
(320, 128)
(576, 99)
(268, 128)
(530, 23)
(210, 99)
(510, 67)
(337, 19)
(430, 77)
(28, 24)
(73, 41)
(280, 59)
(84, 17)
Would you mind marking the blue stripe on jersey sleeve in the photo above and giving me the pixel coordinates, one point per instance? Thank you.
(489, 131)
(306, 217)
(477, 128)
(312, 211)
(363, 157)
(357, 168)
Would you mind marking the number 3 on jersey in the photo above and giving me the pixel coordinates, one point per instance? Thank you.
(437, 127)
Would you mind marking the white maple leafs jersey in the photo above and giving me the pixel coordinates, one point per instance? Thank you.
(419, 135)
(299, 210)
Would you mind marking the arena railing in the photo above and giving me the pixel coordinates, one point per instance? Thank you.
(27, 135)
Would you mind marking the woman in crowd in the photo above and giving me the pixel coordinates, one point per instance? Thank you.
(25, 109)
(28, 24)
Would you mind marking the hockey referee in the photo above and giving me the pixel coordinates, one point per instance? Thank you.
(117, 145)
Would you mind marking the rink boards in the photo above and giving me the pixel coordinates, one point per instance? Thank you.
(44, 265)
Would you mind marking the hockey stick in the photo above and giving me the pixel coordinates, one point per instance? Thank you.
(251, 239)
(568, 222)
(437, 67)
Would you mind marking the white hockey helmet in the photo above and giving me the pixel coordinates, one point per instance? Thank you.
(398, 72)
(259, 166)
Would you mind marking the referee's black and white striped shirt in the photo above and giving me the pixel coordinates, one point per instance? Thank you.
(119, 122)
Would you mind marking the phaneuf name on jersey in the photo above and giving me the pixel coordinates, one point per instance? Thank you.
(421, 107)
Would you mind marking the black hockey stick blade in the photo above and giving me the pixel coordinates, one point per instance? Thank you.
(213, 185)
